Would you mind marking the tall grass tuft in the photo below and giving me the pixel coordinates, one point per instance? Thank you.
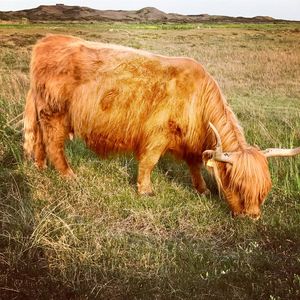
(96, 239)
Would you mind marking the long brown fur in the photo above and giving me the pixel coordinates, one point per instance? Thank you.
(121, 99)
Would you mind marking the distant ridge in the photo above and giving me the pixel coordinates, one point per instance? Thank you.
(61, 12)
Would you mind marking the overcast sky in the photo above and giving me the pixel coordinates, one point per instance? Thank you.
(282, 9)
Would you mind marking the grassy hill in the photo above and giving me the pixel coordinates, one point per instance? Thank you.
(61, 12)
(97, 239)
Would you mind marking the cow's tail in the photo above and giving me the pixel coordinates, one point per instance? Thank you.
(30, 125)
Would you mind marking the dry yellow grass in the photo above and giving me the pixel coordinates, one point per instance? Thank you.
(97, 239)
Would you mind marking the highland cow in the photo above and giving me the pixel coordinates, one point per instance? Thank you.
(119, 99)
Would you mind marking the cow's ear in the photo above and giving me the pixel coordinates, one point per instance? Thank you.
(210, 163)
(207, 155)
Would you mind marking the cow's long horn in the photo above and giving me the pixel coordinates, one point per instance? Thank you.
(273, 152)
(219, 141)
(219, 155)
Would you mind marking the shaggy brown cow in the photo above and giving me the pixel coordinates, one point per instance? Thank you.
(121, 99)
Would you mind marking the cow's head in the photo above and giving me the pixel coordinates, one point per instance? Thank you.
(243, 176)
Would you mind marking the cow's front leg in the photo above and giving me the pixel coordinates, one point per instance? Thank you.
(197, 179)
(147, 162)
(144, 184)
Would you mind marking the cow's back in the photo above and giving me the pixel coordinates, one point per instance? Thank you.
(117, 98)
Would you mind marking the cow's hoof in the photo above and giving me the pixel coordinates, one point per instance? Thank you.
(146, 191)
(148, 194)
(205, 192)
(69, 174)
(41, 164)
(235, 215)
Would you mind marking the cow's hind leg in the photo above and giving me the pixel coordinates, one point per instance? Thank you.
(197, 179)
(39, 149)
(147, 161)
(33, 137)
(55, 130)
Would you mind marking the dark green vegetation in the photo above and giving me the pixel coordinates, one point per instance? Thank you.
(96, 238)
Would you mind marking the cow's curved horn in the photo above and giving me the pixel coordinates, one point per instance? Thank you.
(219, 141)
(218, 154)
(273, 152)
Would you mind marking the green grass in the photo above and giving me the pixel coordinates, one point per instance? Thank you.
(153, 26)
(96, 238)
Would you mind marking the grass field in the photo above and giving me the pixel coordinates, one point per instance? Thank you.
(97, 239)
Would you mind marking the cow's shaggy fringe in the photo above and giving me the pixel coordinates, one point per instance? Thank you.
(121, 99)
(249, 175)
